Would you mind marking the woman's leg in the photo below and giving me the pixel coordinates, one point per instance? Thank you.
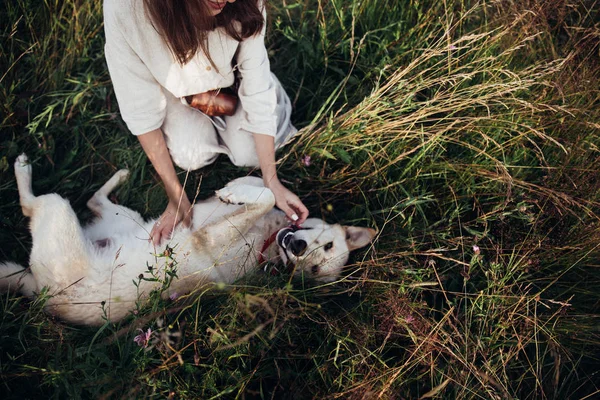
(239, 143)
(190, 136)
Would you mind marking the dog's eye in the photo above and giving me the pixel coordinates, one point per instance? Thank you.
(328, 246)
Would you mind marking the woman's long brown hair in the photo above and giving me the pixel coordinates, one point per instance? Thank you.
(185, 24)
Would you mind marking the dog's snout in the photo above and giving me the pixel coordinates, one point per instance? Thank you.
(297, 247)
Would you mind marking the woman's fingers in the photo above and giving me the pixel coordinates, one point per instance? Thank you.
(290, 213)
(168, 221)
(303, 212)
(291, 205)
(299, 212)
(161, 230)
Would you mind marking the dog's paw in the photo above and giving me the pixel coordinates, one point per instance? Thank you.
(122, 175)
(22, 165)
(231, 195)
(243, 194)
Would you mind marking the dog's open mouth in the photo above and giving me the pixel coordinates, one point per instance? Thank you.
(284, 237)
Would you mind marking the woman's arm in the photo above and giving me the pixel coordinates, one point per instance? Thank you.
(258, 97)
(287, 201)
(179, 208)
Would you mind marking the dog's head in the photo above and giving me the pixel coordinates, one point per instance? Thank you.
(319, 250)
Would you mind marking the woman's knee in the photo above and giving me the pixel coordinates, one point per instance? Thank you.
(247, 158)
(191, 159)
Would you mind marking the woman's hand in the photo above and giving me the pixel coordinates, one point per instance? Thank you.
(288, 202)
(173, 215)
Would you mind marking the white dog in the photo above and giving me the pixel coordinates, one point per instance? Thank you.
(99, 272)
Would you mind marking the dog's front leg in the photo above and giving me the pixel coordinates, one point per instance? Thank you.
(255, 202)
(112, 218)
(59, 256)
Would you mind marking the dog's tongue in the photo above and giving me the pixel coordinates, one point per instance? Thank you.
(284, 237)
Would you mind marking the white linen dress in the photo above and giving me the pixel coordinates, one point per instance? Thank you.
(151, 86)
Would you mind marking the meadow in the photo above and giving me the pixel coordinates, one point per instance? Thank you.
(466, 132)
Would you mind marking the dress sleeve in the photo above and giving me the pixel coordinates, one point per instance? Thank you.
(141, 100)
(257, 90)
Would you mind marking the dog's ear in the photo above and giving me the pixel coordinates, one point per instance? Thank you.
(358, 237)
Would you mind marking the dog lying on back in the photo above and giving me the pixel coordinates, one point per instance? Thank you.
(91, 273)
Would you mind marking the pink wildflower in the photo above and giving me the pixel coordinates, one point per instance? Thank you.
(143, 338)
(409, 319)
(306, 160)
(476, 249)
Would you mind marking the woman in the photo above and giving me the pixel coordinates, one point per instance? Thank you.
(164, 55)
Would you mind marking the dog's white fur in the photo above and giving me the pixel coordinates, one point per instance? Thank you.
(90, 272)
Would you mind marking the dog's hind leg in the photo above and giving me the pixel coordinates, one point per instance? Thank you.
(14, 277)
(23, 176)
(59, 255)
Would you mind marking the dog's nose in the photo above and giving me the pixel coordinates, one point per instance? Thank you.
(297, 247)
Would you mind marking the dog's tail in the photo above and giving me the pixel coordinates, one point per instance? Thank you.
(15, 278)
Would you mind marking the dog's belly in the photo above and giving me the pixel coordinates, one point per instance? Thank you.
(127, 270)
(122, 274)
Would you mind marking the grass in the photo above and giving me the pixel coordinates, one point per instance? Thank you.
(466, 132)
